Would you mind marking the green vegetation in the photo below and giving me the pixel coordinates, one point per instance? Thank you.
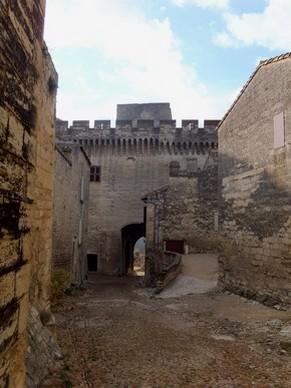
(61, 280)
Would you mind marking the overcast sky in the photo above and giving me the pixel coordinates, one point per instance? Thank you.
(195, 54)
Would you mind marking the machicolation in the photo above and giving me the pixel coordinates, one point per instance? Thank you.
(162, 136)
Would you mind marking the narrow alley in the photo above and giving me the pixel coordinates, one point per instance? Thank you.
(114, 334)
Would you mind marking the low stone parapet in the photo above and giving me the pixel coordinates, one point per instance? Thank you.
(162, 268)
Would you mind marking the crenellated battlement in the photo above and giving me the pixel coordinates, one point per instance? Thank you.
(138, 124)
(142, 134)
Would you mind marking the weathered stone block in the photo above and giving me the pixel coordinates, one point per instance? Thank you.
(7, 287)
(22, 281)
(23, 314)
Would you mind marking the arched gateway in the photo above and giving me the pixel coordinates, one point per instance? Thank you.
(129, 236)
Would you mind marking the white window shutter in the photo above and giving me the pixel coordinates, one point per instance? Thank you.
(279, 130)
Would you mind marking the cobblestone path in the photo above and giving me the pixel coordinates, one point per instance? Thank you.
(114, 335)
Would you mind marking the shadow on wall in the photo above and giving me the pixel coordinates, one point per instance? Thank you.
(254, 198)
(255, 227)
(185, 211)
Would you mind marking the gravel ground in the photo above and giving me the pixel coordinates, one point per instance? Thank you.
(114, 335)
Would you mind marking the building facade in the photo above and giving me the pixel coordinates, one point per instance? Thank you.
(129, 161)
(255, 179)
(70, 211)
(28, 83)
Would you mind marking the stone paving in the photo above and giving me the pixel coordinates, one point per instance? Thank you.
(114, 335)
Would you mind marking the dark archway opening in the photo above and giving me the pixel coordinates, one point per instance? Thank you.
(130, 234)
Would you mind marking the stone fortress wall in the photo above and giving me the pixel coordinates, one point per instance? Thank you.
(135, 158)
(28, 83)
(141, 135)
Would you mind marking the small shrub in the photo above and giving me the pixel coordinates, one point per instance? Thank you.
(66, 380)
(65, 377)
(60, 282)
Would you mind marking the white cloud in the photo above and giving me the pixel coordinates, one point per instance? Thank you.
(145, 55)
(224, 39)
(202, 3)
(270, 28)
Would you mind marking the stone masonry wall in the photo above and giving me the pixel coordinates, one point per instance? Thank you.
(255, 203)
(135, 158)
(28, 84)
(186, 209)
(62, 226)
(117, 200)
(71, 202)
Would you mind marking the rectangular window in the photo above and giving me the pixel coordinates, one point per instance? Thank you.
(279, 130)
(95, 174)
(174, 168)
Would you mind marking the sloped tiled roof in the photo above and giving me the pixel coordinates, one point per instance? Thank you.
(262, 64)
(155, 192)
